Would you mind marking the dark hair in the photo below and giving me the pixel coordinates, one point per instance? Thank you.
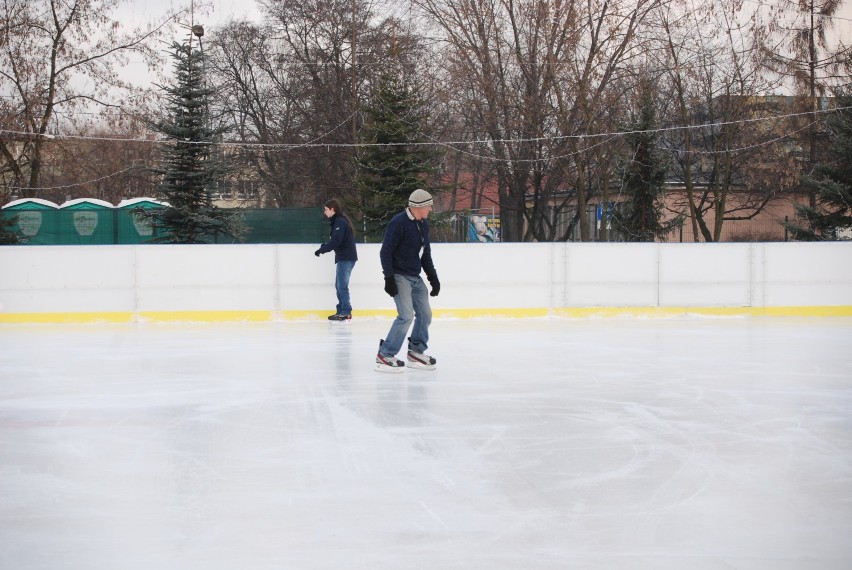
(333, 204)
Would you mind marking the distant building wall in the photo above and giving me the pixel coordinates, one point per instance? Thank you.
(765, 225)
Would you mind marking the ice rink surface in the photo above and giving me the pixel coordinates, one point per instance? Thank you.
(682, 444)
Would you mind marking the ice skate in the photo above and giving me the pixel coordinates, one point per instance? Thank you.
(340, 318)
(388, 363)
(421, 361)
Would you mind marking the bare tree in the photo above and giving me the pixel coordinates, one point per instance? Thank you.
(800, 48)
(494, 51)
(259, 100)
(467, 172)
(730, 152)
(293, 89)
(104, 164)
(608, 46)
(315, 41)
(538, 73)
(56, 59)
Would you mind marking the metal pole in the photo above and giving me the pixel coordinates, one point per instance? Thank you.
(354, 80)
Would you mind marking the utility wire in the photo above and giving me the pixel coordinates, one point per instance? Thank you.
(77, 184)
(315, 144)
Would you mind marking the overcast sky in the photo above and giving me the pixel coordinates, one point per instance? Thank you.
(211, 13)
(207, 12)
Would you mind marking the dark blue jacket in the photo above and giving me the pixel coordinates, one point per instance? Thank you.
(404, 239)
(341, 241)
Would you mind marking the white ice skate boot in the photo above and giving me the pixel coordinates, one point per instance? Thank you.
(421, 361)
(388, 363)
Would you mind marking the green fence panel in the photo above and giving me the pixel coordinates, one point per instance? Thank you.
(288, 225)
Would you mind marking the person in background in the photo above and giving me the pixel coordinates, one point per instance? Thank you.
(342, 242)
(406, 252)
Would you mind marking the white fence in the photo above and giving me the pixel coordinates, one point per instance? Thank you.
(270, 282)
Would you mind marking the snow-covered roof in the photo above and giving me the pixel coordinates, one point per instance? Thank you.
(94, 201)
(31, 201)
(134, 201)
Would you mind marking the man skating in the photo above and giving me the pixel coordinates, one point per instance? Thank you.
(406, 252)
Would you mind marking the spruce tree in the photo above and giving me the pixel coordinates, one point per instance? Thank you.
(393, 161)
(190, 165)
(831, 183)
(639, 217)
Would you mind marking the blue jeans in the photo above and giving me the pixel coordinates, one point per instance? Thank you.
(341, 285)
(412, 304)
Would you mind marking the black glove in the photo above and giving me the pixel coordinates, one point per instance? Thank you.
(317, 253)
(436, 285)
(390, 286)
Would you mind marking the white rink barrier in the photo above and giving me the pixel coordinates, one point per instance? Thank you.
(275, 282)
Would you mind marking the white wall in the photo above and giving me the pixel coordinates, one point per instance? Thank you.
(271, 281)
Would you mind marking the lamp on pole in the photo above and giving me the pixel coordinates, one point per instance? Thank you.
(198, 32)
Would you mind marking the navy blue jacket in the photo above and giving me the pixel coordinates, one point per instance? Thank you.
(400, 253)
(340, 241)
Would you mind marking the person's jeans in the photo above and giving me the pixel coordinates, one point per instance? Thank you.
(341, 285)
(412, 304)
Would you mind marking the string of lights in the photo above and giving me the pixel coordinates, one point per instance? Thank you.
(453, 145)
(316, 144)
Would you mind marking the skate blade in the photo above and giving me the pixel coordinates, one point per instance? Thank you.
(389, 369)
(421, 366)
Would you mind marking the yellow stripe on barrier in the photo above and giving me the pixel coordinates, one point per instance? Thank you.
(205, 316)
(294, 315)
(491, 313)
(668, 312)
(820, 311)
(58, 318)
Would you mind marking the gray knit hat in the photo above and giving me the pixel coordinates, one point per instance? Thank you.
(419, 198)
